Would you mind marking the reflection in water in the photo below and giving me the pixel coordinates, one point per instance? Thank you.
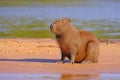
(80, 77)
(59, 77)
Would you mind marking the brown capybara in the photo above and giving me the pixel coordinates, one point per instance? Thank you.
(78, 45)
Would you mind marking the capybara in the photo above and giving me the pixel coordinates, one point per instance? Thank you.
(78, 45)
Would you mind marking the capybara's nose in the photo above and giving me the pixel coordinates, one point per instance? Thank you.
(51, 26)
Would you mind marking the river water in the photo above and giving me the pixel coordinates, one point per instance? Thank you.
(59, 77)
(100, 17)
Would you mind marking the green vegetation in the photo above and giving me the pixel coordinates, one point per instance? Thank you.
(24, 28)
(31, 34)
(31, 28)
(28, 34)
(37, 2)
(105, 29)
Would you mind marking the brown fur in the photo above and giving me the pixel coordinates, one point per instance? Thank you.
(78, 46)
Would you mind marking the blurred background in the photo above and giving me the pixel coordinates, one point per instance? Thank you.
(31, 18)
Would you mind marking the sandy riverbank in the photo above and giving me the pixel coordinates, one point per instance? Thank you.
(40, 55)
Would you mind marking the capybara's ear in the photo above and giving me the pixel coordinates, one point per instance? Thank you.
(68, 19)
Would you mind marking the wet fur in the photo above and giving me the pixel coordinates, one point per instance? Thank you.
(78, 46)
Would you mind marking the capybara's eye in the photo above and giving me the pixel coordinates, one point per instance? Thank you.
(62, 22)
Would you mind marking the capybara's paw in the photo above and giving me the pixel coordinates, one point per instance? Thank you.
(86, 62)
(71, 62)
(60, 62)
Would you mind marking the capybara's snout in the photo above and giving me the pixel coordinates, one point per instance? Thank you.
(51, 26)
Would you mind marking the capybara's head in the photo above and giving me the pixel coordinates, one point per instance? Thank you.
(60, 26)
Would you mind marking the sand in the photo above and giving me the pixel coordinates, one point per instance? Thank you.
(40, 56)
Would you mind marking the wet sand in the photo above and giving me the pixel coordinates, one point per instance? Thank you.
(39, 56)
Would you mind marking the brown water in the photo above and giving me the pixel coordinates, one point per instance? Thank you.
(59, 76)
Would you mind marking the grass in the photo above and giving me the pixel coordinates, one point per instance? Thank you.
(30, 28)
(36, 2)
(28, 34)
(26, 28)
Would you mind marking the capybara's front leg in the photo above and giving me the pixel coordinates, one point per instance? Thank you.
(72, 60)
(62, 58)
(73, 54)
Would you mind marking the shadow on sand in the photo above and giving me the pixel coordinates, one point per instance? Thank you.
(33, 60)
